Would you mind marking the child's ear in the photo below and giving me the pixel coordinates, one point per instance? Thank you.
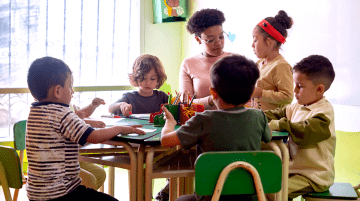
(320, 88)
(57, 91)
(214, 94)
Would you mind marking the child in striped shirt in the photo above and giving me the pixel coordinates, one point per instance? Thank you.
(53, 135)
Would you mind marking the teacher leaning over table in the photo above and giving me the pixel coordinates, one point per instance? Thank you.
(194, 76)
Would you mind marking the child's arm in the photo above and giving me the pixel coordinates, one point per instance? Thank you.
(95, 123)
(88, 110)
(275, 114)
(125, 108)
(169, 137)
(284, 83)
(308, 132)
(103, 134)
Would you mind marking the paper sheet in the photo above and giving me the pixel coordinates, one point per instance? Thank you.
(146, 130)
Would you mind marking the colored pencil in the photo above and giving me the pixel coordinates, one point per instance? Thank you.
(192, 99)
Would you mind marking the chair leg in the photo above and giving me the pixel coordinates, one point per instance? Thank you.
(4, 183)
(16, 194)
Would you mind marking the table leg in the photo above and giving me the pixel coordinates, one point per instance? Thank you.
(190, 187)
(181, 186)
(111, 181)
(148, 171)
(285, 162)
(140, 172)
(173, 189)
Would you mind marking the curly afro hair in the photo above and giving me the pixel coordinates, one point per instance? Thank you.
(203, 19)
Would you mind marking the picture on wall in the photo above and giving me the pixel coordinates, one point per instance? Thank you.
(169, 11)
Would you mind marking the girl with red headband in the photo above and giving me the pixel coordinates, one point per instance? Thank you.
(274, 88)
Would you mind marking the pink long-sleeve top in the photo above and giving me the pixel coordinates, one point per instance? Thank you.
(194, 77)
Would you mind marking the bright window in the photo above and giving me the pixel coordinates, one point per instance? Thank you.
(99, 40)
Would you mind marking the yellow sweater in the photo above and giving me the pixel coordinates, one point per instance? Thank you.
(277, 83)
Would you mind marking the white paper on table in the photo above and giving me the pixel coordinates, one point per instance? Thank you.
(108, 121)
(141, 115)
(146, 130)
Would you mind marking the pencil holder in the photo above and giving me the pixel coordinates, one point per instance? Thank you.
(152, 115)
(173, 109)
(187, 112)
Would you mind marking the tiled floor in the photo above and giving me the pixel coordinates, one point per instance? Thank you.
(121, 187)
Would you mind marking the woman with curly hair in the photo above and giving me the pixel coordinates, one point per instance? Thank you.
(194, 76)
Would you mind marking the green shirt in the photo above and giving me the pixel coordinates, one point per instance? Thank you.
(235, 129)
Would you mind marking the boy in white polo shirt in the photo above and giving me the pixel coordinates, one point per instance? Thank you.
(310, 123)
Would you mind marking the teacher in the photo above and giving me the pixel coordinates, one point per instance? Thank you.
(194, 76)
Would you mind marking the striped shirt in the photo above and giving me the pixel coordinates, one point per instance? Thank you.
(53, 135)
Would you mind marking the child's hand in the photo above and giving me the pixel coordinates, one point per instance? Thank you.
(126, 109)
(132, 129)
(96, 124)
(97, 101)
(274, 125)
(168, 116)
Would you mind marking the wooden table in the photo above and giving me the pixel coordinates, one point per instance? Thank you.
(150, 142)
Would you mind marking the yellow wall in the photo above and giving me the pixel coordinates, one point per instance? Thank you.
(162, 40)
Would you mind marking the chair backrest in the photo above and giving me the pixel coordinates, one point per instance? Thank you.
(19, 135)
(209, 165)
(9, 160)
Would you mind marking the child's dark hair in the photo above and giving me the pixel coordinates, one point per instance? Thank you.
(318, 69)
(143, 65)
(203, 19)
(233, 78)
(280, 22)
(45, 73)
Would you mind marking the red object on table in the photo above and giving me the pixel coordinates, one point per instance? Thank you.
(152, 115)
(194, 107)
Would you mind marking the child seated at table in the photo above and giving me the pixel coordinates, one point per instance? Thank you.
(148, 74)
(92, 175)
(53, 135)
(310, 123)
(232, 127)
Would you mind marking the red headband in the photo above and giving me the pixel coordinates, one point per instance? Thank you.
(272, 31)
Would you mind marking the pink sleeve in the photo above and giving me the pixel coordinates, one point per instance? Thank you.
(185, 81)
(186, 84)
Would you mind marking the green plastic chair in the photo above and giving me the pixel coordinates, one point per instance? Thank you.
(10, 171)
(338, 191)
(19, 145)
(238, 172)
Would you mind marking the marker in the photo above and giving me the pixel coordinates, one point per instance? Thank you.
(111, 116)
